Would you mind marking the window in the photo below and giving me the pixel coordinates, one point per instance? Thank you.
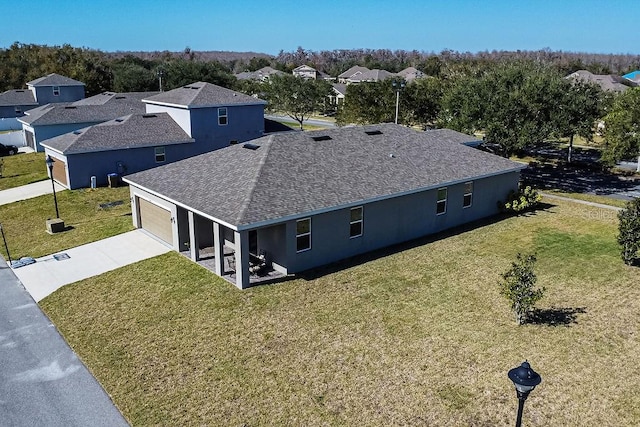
(160, 157)
(222, 116)
(441, 204)
(56, 90)
(18, 110)
(355, 224)
(468, 194)
(303, 235)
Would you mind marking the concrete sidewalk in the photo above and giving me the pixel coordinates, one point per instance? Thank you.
(28, 191)
(48, 273)
(42, 381)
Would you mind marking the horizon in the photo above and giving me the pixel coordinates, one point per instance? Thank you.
(250, 26)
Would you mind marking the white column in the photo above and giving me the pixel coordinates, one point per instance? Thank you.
(218, 248)
(193, 238)
(241, 239)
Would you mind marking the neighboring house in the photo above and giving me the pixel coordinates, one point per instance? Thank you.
(263, 74)
(288, 202)
(176, 124)
(410, 74)
(351, 72)
(608, 82)
(370, 76)
(51, 120)
(48, 89)
(339, 92)
(634, 76)
(306, 72)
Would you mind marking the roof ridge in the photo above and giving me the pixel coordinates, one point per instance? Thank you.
(254, 179)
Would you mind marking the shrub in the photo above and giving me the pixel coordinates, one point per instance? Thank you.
(629, 231)
(518, 286)
(521, 200)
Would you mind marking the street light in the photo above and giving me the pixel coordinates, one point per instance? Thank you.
(525, 380)
(49, 162)
(160, 73)
(6, 248)
(397, 86)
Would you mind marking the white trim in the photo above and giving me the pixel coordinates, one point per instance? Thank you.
(303, 234)
(361, 221)
(163, 154)
(193, 107)
(467, 194)
(226, 116)
(438, 201)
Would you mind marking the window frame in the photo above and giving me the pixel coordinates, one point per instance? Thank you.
(222, 116)
(353, 222)
(158, 154)
(56, 90)
(17, 109)
(303, 235)
(468, 192)
(440, 202)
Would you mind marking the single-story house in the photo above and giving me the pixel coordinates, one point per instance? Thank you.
(51, 120)
(339, 92)
(288, 202)
(176, 124)
(351, 72)
(607, 82)
(370, 76)
(410, 74)
(263, 74)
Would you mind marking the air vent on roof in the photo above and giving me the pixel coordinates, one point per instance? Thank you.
(77, 132)
(119, 120)
(120, 97)
(148, 116)
(251, 146)
(70, 107)
(20, 90)
(373, 132)
(321, 138)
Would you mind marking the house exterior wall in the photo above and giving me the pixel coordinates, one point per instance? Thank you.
(83, 166)
(181, 116)
(393, 221)
(44, 132)
(9, 111)
(44, 94)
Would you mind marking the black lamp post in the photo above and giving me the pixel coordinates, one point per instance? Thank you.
(6, 248)
(397, 86)
(525, 380)
(49, 162)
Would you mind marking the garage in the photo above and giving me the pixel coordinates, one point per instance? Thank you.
(30, 139)
(60, 171)
(155, 220)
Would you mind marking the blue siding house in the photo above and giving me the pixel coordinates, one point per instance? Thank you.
(288, 202)
(177, 124)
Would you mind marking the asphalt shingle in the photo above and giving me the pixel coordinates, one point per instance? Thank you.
(291, 174)
(17, 97)
(54, 79)
(202, 95)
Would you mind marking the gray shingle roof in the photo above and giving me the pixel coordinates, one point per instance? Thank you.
(202, 95)
(17, 97)
(291, 174)
(98, 108)
(608, 82)
(132, 131)
(54, 79)
(371, 76)
(261, 74)
(353, 70)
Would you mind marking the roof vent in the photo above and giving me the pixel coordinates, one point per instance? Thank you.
(20, 90)
(119, 120)
(373, 132)
(77, 132)
(148, 116)
(321, 138)
(251, 146)
(70, 107)
(120, 97)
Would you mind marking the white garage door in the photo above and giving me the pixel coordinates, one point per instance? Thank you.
(155, 220)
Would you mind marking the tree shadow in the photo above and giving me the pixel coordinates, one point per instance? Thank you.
(555, 316)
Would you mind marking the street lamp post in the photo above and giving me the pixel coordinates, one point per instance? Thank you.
(49, 162)
(6, 248)
(398, 86)
(525, 380)
(160, 74)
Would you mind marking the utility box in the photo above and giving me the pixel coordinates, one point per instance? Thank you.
(55, 225)
(114, 180)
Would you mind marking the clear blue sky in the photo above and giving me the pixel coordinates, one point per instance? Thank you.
(268, 26)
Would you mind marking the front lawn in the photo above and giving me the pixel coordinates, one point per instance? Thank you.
(416, 337)
(24, 222)
(21, 169)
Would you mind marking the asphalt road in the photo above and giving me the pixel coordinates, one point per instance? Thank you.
(42, 381)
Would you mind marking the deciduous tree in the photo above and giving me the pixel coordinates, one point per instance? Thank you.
(296, 97)
(622, 128)
(518, 286)
(629, 231)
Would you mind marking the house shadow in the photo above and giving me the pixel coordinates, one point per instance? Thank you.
(356, 260)
(555, 316)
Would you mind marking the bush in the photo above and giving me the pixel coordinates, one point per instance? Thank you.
(518, 286)
(629, 231)
(521, 200)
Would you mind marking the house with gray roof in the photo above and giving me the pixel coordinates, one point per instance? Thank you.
(370, 76)
(288, 202)
(51, 120)
(162, 128)
(263, 74)
(351, 72)
(607, 82)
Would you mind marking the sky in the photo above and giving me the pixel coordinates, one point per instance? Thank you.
(269, 26)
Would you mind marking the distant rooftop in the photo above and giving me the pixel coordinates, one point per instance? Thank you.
(54, 79)
(202, 95)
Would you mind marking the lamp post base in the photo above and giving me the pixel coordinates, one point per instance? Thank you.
(55, 225)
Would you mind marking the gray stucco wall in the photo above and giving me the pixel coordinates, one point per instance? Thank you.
(99, 164)
(393, 221)
(44, 94)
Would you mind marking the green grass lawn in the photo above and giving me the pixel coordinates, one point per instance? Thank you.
(416, 337)
(589, 198)
(21, 169)
(24, 222)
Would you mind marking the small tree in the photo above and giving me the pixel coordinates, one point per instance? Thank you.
(518, 286)
(629, 228)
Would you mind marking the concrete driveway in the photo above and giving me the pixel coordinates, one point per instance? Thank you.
(54, 271)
